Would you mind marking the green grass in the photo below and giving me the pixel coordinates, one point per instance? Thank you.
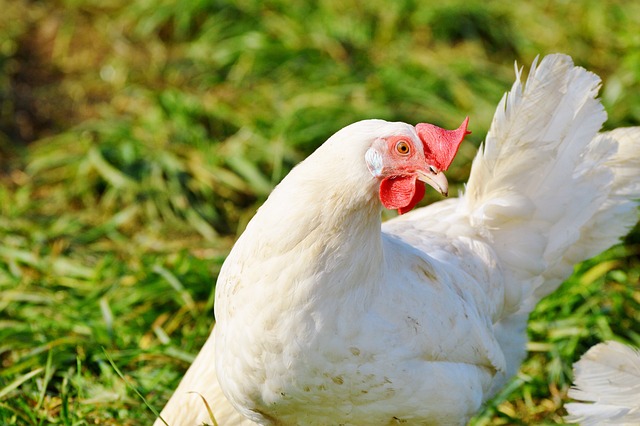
(138, 138)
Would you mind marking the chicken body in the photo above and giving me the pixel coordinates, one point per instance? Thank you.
(327, 316)
(332, 348)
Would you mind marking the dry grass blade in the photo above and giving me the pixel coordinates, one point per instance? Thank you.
(206, 404)
(19, 381)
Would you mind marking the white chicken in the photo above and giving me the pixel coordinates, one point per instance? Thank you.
(327, 316)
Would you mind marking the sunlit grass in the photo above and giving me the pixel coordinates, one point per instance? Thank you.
(138, 138)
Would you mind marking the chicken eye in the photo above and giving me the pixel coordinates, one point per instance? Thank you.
(403, 148)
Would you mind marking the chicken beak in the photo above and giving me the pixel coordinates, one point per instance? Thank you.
(437, 181)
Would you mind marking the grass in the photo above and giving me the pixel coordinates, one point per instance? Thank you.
(138, 138)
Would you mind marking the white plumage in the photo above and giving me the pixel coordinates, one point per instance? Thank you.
(326, 316)
(607, 379)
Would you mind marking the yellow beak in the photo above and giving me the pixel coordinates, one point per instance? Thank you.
(437, 181)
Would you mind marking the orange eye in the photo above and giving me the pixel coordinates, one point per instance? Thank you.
(403, 148)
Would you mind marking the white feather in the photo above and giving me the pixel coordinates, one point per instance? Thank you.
(547, 189)
(607, 380)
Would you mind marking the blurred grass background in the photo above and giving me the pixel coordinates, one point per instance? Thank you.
(138, 137)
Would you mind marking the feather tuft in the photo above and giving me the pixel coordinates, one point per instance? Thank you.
(607, 380)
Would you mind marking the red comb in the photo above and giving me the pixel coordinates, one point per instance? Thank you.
(440, 145)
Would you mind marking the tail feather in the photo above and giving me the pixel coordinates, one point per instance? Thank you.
(544, 186)
(617, 213)
(607, 378)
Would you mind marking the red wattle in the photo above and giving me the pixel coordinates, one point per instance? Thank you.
(417, 196)
(401, 192)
